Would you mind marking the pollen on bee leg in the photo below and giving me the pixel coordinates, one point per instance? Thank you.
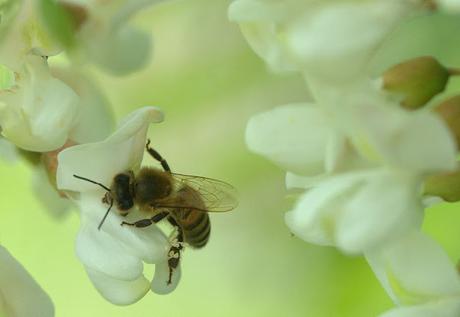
(173, 255)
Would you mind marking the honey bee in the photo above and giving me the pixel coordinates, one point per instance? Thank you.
(183, 200)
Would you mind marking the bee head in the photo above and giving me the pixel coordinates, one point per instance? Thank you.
(121, 192)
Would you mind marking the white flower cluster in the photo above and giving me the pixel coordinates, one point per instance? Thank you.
(57, 118)
(366, 152)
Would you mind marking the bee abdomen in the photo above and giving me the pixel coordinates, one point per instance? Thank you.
(196, 227)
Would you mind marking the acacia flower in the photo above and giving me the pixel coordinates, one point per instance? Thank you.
(365, 189)
(419, 277)
(20, 295)
(105, 36)
(332, 40)
(113, 256)
(37, 110)
(24, 34)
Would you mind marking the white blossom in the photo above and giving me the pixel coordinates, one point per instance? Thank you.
(362, 163)
(37, 110)
(419, 277)
(106, 37)
(114, 256)
(25, 35)
(331, 40)
(20, 295)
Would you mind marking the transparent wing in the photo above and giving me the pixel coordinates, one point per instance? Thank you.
(202, 193)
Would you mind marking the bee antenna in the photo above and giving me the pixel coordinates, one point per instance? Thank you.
(105, 216)
(91, 181)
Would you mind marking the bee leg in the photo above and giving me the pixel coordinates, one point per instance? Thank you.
(146, 222)
(174, 252)
(157, 156)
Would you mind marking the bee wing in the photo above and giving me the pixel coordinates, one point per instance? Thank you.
(218, 196)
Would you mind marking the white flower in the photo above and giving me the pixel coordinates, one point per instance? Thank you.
(114, 256)
(25, 35)
(94, 120)
(20, 295)
(357, 211)
(107, 38)
(37, 110)
(298, 137)
(331, 39)
(363, 195)
(419, 276)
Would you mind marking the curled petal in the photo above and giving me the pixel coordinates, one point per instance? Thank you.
(126, 145)
(119, 292)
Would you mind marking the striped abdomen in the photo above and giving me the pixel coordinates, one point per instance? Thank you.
(195, 226)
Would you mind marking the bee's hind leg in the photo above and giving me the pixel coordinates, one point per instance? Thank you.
(174, 252)
(146, 222)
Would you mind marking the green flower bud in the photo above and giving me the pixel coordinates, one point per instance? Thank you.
(449, 110)
(418, 80)
(446, 186)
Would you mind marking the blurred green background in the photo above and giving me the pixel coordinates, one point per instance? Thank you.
(208, 82)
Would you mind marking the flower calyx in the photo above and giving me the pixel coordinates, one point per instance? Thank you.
(418, 80)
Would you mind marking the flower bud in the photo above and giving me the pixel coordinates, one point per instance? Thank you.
(449, 110)
(418, 80)
(446, 186)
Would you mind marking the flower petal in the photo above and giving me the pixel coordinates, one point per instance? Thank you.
(417, 141)
(94, 121)
(148, 244)
(99, 251)
(120, 51)
(415, 269)
(38, 116)
(294, 136)
(20, 294)
(314, 217)
(386, 207)
(336, 40)
(120, 152)
(119, 292)
(159, 282)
